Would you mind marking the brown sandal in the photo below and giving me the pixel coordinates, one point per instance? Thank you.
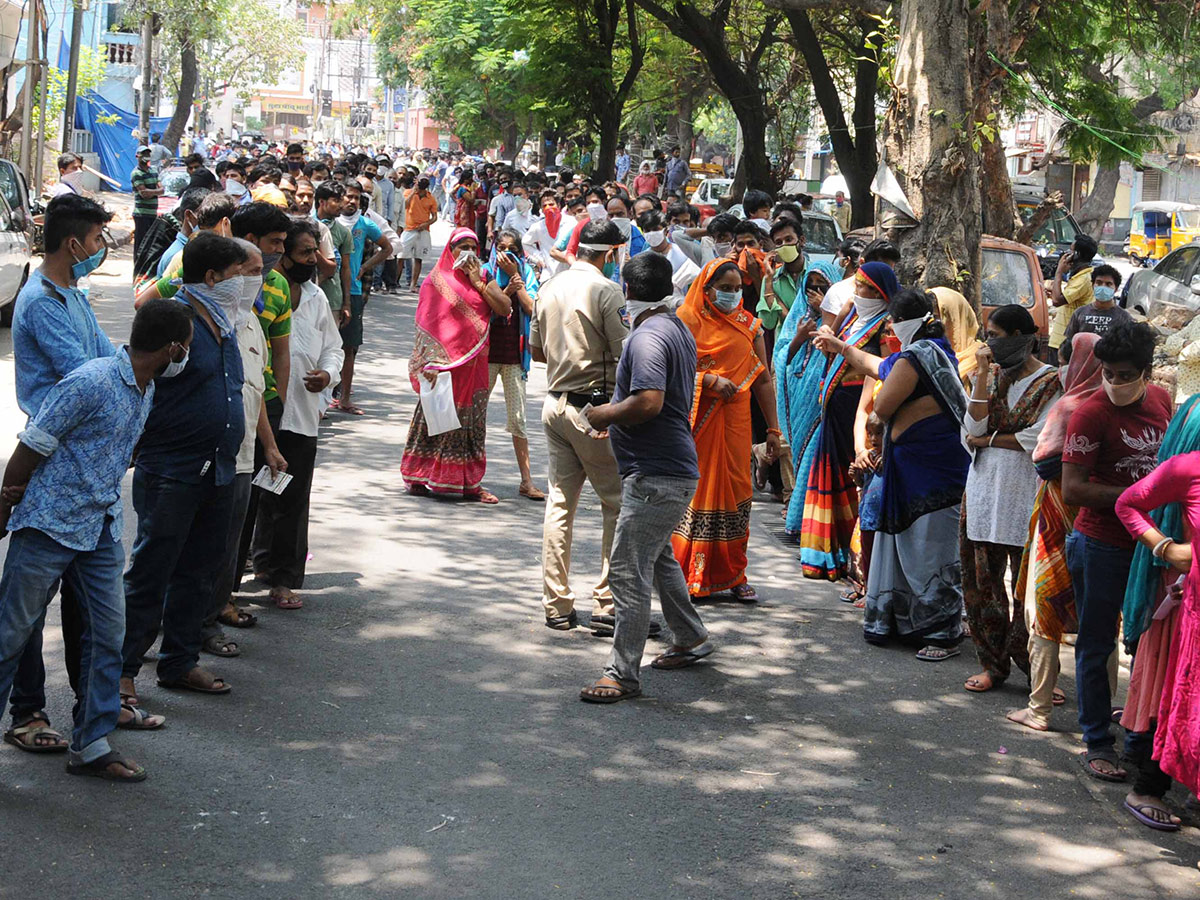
(29, 734)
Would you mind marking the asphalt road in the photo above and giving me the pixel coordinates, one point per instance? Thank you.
(415, 730)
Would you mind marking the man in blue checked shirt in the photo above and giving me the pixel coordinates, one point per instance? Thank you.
(61, 500)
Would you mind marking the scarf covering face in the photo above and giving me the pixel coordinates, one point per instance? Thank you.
(961, 322)
(724, 341)
(452, 317)
(881, 277)
(1080, 379)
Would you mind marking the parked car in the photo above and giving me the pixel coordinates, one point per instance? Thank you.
(15, 258)
(708, 196)
(1055, 236)
(1012, 273)
(1174, 282)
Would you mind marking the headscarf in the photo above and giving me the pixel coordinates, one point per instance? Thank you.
(880, 276)
(452, 317)
(724, 340)
(1080, 379)
(268, 193)
(827, 268)
(1145, 573)
(962, 322)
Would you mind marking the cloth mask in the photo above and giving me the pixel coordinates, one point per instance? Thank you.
(788, 253)
(74, 180)
(597, 212)
(221, 300)
(524, 205)
(234, 188)
(345, 221)
(728, 301)
(655, 238)
(84, 267)
(868, 307)
(301, 272)
(1125, 394)
(1103, 293)
(270, 261)
(624, 225)
(174, 368)
(905, 331)
(251, 290)
(1009, 352)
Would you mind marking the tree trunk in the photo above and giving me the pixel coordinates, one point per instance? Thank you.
(928, 132)
(757, 164)
(511, 136)
(996, 195)
(610, 131)
(186, 96)
(686, 133)
(1098, 206)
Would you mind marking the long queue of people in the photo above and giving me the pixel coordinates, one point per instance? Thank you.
(959, 484)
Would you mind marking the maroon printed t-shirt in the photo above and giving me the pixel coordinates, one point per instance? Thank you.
(1119, 444)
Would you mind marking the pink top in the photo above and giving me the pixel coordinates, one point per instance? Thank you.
(1177, 479)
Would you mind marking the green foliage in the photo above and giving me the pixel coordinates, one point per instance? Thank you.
(92, 65)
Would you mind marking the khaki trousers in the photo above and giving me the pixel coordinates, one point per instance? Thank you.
(573, 457)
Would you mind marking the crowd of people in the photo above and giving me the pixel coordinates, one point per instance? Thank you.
(961, 482)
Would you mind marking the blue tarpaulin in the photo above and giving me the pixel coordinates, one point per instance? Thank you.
(114, 143)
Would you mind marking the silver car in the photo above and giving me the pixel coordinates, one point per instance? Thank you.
(1174, 282)
(15, 259)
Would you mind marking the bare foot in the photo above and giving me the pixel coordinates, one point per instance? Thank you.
(285, 598)
(1027, 718)
(978, 684)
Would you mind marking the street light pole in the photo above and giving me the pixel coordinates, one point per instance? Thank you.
(72, 74)
(31, 69)
(147, 73)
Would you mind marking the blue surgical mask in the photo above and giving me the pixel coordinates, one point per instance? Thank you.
(610, 269)
(84, 267)
(728, 301)
(1103, 293)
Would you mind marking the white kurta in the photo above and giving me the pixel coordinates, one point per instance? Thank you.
(315, 344)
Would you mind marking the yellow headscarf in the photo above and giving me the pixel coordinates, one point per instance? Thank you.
(962, 325)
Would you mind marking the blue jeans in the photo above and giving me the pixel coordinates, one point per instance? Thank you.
(1098, 574)
(35, 562)
(181, 537)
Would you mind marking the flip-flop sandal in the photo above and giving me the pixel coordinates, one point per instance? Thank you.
(1148, 821)
(142, 720)
(937, 654)
(486, 497)
(1117, 712)
(532, 494)
(743, 593)
(1087, 759)
(418, 490)
(678, 658)
(860, 603)
(1058, 698)
(219, 646)
(850, 595)
(589, 694)
(33, 729)
(182, 684)
(292, 602)
(242, 619)
(98, 768)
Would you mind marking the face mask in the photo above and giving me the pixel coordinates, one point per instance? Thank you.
(346, 221)
(301, 272)
(1009, 352)
(270, 260)
(634, 308)
(174, 368)
(1103, 293)
(624, 225)
(251, 289)
(905, 331)
(524, 205)
(234, 188)
(465, 257)
(727, 301)
(1125, 394)
(317, 182)
(722, 249)
(869, 307)
(83, 267)
(226, 294)
(295, 166)
(655, 238)
(610, 269)
(788, 253)
(73, 179)
(597, 212)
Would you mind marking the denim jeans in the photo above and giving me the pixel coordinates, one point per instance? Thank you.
(29, 684)
(34, 563)
(181, 534)
(1098, 574)
(642, 558)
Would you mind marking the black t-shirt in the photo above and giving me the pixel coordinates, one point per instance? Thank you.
(660, 355)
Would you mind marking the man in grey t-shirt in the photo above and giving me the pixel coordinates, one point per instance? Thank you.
(648, 422)
(1101, 314)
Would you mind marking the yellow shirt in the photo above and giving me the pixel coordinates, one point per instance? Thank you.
(1077, 292)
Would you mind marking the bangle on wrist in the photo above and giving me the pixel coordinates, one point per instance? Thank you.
(1160, 547)
(973, 400)
(992, 439)
(775, 431)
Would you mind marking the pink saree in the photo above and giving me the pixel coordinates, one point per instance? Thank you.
(451, 339)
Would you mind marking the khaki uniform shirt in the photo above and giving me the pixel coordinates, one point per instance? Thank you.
(577, 324)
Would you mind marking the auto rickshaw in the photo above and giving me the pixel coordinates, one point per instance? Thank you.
(1160, 226)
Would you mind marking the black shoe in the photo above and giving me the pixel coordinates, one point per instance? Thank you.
(563, 623)
(604, 626)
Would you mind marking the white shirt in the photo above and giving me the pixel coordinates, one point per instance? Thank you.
(518, 222)
(538, 242)
(837, 295)
(388, 231)
(252, 345)
(315, 344)
(684, 271)
(1001, 483)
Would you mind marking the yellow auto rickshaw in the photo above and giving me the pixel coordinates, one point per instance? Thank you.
(1160, 226)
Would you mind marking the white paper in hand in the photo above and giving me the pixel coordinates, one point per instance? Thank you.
(275, 485)
(437, 402)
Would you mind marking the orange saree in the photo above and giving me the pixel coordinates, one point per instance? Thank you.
(710, 541)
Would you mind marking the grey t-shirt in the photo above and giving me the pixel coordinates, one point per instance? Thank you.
(1091, 319)
(660, 355)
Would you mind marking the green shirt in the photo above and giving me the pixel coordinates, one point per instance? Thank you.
(343, 243)
(276, 321)
(144, 178)
(785, 288)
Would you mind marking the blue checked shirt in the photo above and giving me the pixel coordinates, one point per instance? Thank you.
(87, 429)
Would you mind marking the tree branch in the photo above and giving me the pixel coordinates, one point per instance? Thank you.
(875, 7)
(764, 40)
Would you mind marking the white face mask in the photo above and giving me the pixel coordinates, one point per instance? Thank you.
(73, 179)
(251, 288)
(868, 307)
(655, 238)
(234, 188)
(597, 212)
(524, 205)
(174, 368)
(624, 225)
(905, 331)
(634, 308)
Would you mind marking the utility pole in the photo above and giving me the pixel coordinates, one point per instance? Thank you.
(147, 74)
(32, 34)
(72, 74)
(43, 72)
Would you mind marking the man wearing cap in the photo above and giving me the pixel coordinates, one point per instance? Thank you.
(145, 197)
(578, 331)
